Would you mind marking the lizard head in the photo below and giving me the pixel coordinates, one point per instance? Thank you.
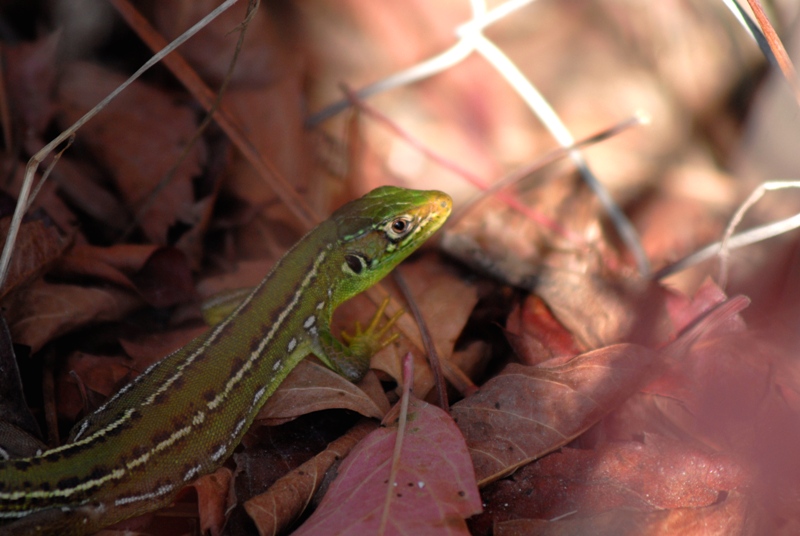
(377, 231)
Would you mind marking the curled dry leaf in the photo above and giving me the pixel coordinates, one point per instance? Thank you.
(536, 335)
(433, 492)
(214, 495)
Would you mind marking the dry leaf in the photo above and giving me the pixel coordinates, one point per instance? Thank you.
(38, 245)
(313, 387)
(47, 310)
(130, 138)
(434, 490)
(536, 335)
(446, 301)
(213, 499)
(526, 412)
(20, 427)
(285, 500)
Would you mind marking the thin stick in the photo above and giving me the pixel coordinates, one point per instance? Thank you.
(544, 160)
(777, 48)
(732, 241)
(402, 423)
(427, 341)
(180, 68)
(170, 174)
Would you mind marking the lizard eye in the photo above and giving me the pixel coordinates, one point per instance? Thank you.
(399, 227)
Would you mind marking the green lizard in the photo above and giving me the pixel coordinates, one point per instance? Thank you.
(185, 415)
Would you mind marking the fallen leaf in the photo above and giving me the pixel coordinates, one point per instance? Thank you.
(213, 499)
(446, 301)
(526, 412)
(30, 72)
(210, 51)
(129, 137)
(536, 335)
(20, 426)
(286, 499)
(113, 264)
(149, 348)
(93, 375)
(165, 279)
(651, 475)
(48, 310)
(434, 490)
(38, 245)
(314, 387)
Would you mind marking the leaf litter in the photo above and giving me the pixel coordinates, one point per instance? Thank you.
(605, 406)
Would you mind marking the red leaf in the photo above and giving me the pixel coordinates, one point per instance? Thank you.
(435, 487)
(536, 335)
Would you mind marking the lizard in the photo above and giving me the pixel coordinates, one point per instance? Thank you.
(184, 415)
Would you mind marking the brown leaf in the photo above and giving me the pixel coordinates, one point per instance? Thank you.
(210, 51)
(114, 264)
(30, 72)
(601, 310)
(130, 137)
(446, 301)
(657, 474)
(47, 310)
(160, 275)
(148, 349)
(313, 387)
(245, 274)
(82, 185)
(165, 279)
(20, 427)
(526, 412)
(97, 374)
(38, 244)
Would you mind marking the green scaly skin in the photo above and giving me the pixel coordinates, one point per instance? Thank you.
(185, 415)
